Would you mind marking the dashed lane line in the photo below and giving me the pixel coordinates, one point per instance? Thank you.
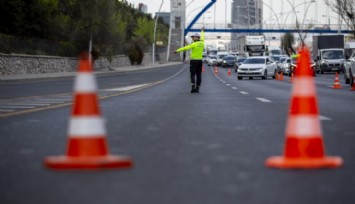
(263, 100)
(243, 92)
(234, 88)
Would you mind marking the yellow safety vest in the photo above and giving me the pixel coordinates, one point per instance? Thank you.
(196, 48)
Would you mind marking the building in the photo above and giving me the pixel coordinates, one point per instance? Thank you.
(165, 16)
(177, 26)
(246, 14)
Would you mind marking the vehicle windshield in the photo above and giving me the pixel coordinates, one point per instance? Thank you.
(254, 61)
(276, 52)
(333, 54)
(229, 58)
(241, 59)
(277, 59)
(221, 56)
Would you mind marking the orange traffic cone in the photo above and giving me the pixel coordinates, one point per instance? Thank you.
(336, 84)
(291, 79)
(215, 70)
(353, 87)
(277, 76)
(281, 76)
(304, 146)
(203, 68)
(87, 147)
(229, 72)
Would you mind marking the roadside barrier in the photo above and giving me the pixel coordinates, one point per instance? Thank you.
(87, 147)
(304, 146)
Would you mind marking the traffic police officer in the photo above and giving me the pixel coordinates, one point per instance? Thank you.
(196, 48)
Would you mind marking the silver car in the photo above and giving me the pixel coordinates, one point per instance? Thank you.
(263, 67)
(349, 66)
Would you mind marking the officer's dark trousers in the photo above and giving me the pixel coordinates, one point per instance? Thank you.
(195, 72)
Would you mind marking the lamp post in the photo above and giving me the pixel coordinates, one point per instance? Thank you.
(155, 29)
(339, 21)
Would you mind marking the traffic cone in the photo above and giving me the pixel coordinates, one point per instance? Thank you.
(277, 76)
(291, 79)
(337, 84)
(87, 147)
(216, 70)
(353, 87)
(229, 72)
(281, 76)
(304, 144)
(203, 68)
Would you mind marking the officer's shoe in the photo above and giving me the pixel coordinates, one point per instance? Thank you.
(193, 89)
(197, 89)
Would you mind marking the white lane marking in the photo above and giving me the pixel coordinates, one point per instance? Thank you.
(228, 84)
(243, 92)
(263, 100)
(234, 87)
(25, 107)
(126, 88)
(27, 104)
(6, 110)
(321, 117)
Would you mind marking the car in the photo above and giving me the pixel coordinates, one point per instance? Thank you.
(239, 61)
(285, 65)
(294, 65)
(229, 61)
(212, 60)
(262, 66)
(349, 68)
(220, 56)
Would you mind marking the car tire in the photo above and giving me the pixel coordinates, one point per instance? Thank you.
(265, 75)
(250, 78)
(274, 76)
(351, 80)
(240, 78)
(346, 79)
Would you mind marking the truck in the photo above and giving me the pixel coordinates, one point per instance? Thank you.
(349, 48)
(251, 45)
(328, 53)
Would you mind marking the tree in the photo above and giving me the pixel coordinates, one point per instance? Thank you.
(346, 10)
(287, 42)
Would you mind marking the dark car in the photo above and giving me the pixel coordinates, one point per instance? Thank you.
(238, 63)
(229, 61)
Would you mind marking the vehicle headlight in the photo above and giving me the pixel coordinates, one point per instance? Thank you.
(224, 61)
(324, 62)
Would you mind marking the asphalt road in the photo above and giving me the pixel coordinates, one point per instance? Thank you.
(187, 148)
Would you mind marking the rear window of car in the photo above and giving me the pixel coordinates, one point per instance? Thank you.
(254, 61)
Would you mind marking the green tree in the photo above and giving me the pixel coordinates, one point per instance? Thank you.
(287, 42)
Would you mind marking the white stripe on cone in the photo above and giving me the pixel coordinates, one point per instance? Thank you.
(87, 127)
(305, 126)
(85, 83)
(305, 87)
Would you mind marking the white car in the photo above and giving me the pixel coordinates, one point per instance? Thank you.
(212, 60)
(285, 65)
(349, 66)
(263, 67)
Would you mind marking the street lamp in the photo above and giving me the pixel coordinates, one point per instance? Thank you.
(339, 22)
(155, 29)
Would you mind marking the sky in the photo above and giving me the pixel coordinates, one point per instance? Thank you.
(316, 14)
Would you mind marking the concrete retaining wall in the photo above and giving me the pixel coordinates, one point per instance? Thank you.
(29, 64)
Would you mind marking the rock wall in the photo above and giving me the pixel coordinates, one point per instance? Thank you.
(30, 64)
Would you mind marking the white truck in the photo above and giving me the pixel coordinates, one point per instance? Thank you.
(328, 52)
(251, 45)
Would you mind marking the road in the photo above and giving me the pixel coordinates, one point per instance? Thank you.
(187, 148)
